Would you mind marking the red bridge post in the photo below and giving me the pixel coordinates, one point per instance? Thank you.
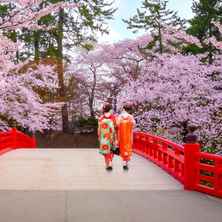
(14, 138)
(191, 152)
(34, 143)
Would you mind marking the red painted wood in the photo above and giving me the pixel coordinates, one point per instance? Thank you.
(196, 170)
(190, 171)
(15, 139)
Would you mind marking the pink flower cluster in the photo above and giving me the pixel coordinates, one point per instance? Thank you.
(19, 101)
(169, 89)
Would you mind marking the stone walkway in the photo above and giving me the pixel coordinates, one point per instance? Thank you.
(83, 169)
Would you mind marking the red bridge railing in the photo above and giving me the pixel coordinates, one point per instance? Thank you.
(193, 168)
(15, 139)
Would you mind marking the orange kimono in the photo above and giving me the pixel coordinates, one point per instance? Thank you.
(125, 124)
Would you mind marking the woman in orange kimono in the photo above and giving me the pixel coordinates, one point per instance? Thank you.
(125, 124)
(106, 135)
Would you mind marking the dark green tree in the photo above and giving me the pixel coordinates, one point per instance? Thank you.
(154, 16)
(75, 27)
(201, 26)
(70, 27)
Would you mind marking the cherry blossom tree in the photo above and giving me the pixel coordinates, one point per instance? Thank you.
(23, 13)
(169, 95)
(20, 103)
(172, 89)
(168, 90)
(91, 73)
(176, 90)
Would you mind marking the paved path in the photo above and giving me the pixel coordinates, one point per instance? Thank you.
(72, 186)
(48, 169)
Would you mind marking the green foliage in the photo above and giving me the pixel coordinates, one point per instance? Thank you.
(79, 27)
(154, 16)
(92, 121)
(47, 20)
(11, 35)
(52, 52)
(3, 10)
(192, 49)
(87, 46)
(88, 122)
(206, 12)
(210, 149)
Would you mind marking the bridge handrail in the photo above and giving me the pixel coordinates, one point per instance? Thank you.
(29, 142)
(208, 173)
(195, 169)
(166, 154)
(15, 139)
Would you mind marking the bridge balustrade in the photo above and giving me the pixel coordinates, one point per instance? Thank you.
(208, 173)
(166, 154)
(15, 139)
(195, 169)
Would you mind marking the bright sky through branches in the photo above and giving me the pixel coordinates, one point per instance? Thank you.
(127, 8)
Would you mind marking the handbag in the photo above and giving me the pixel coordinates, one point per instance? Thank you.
(115, 150)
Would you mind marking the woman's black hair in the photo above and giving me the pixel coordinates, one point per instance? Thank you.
(128, 108)
(107, 107)
(192, 129)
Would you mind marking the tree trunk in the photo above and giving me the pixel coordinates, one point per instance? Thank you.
(36, 46)
(92, 96)
(92, 113)
(210, 55)
(115, 103)
(15, 40)
(160, 33)
(160, 39)
(62, 93)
